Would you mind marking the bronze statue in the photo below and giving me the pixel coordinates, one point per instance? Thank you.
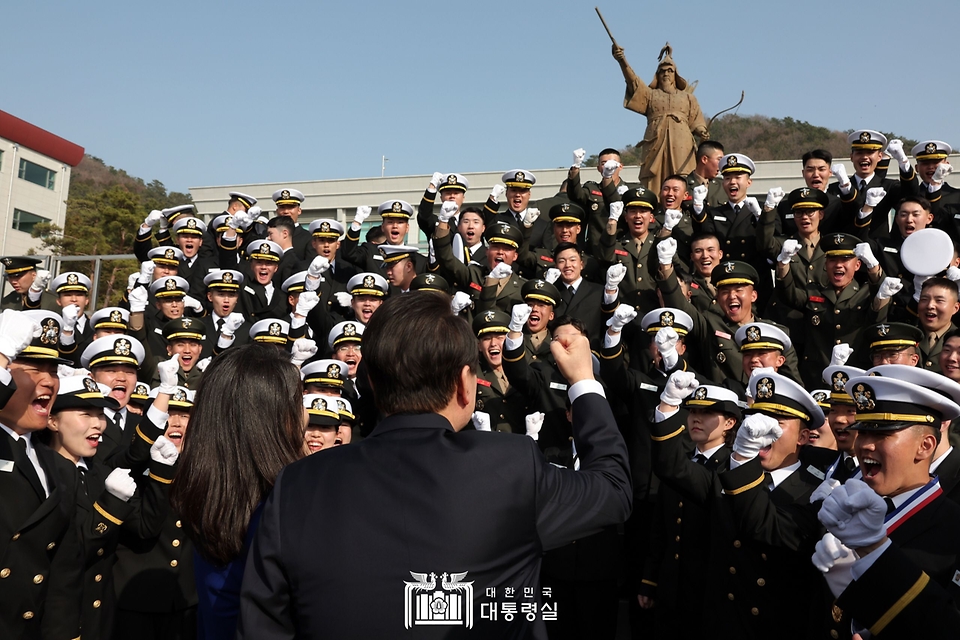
(673, 119)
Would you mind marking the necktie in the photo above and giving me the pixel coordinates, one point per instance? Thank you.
(850, 463)
(118, 421)
(768, 481)
(736, 209)
(567, 294)
(217, 324)
(27, 465)
(700, 458)
(83, 480)
(890, 506)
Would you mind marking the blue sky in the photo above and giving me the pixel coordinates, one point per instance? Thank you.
(204, 93)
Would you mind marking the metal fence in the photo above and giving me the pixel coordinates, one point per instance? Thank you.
(55, 264)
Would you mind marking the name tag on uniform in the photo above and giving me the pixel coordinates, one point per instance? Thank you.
(6, 465)
(720, 218)
(956, 574)
(558, 386)
(789, 216)
(891, 250)
(250, 291)
(648, 387)
(815, 472)
(158, 330)
(721, 334)
(378, 257)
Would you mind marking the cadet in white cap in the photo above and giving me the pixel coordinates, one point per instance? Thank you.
(73, 295)
(223, 295)
(326, 237)
(288, 203)
(110, 321)
(517, 191)
(395, 215)
(667, 328)
(326, 377)
(762, 345)
(171, 302)
(323, 422)
(166, 262)
(259, 295)
(166, 218)
(452, 188)
(398, 265)
(344, 340)
(271, 331)
(367, 291)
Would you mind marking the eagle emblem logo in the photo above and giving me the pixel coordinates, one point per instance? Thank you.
(765, 388)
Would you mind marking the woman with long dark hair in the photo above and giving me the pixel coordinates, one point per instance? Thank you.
(247, 424)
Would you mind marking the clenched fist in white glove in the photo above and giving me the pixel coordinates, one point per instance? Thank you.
(481, 421)
(146, 272)
(132, 280)
(865, 253)
(889, 288)
(459, 302)
(497, 192)
(824, 489)
(616, 210)
(164, 452)
(774, 196)
(318, 266)
(552, 275)
(615, 274)
(680, 386)
(671, 218)
(518, 317)
(193, 304)
(447, 210)
(757, 432)
(622, 189)
(840, 173)
(231, 323)
(789, 249)
(666, 341)
(120, 484)
(253, 213)
(168, 370)
(530, 216)
(609, 168)
(363, 212)
(502, 270)
(623, 315)
(40, 282)
(751, 205)
(138, 299)
(302, 350)
(953, 273)
(203, 364)
(306, 301)
(699, 196)
(436, 180)
(343, 298)
(533, 423)
(70, 314)
(855, 514)
(578, 155)
(828, 551)
(941, 172)
(16, 332)
(666, 250)
(875, 196)
(242, 219)
(153, 218)
(895, 150)
(841, 353)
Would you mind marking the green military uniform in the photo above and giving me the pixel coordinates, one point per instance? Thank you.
(930, 353)
(716, 196)
(504, 293)
(504, 404)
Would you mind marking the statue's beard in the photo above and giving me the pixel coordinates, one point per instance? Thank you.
(668, 85)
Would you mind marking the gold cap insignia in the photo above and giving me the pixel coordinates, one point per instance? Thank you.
(285, 193)
(539, 284)
(228, 277)
(519, 177)
(666, 319)
(397, 207)
(700, 393)
(7, 262)
(325, 226)
(729, 267)
(275, 329)
(429, 278)
(819, 396)
(170, 284)
(141, 389)
(883, 330)
(805, 192)
(319, 404)
(333, 371)
(369, 281)
(930, 148)
(765, 388)
(179, 396)
(451, 179)
(864, 397)
(265, 248)
(732, 161)
(72, 279)
(488, 316)
(90, 385)
(349, 330)
(50, 333)
(753, 334)
(839, 381)
(116, 316)
(122, 347)
(187, 322)
(864, 136)
(341, 405)
(170, 254)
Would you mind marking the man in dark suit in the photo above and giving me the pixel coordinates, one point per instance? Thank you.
(579, 298)
(40, 564)
(439, 526)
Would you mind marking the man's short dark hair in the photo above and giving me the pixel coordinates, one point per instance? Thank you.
(707, 146)
(376, 235)
(817, 154)
(955, 333)
(609, 151)
(918, 200)
(563, 246)
(676, 176)
(704, 235)
(940, 281)
(576, 323)
(415, 350)
(282, 222)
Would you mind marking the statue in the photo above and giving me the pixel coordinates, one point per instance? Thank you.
(673, 119)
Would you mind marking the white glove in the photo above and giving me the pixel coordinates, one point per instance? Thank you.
(164, 452)
(306, 301)
(774, 196)
(895, 150)
(616, 210)
(671, 218)
(751, 205)
(302, 350)
(497, 192)
(132, 280)
(841, 353)
(459, 302)
(70, 314)
(824, 489)
(840, 173)
(917, 287)
(203, 364)
(666, 250)
(854, 513)
(363, 212)
(343, 298)
(481, 421)
(609, 168)
(623, 315)
(874, 196)
(231, 323)
(534, 422)
(622, 189)
(138, 299)
(615, 275)
(699, 196)
(502, 270)
(530, 216)
(153, 218)
(318, 267)
(193, 304)
(518, 317)
(942, 171)
(16, 332)
(243, 219)
(828, 551)
(64, 371)
(552, 275)
(436, 180)
(233, 223)
(865, 253)
(889, 288)
(120, 484)
(254, 212)
(666, 341)
(680, 385)
(40, 282)
(146, 272)
(953, 273)
(789, 249)
(447, 210)
(578, 155)
(168, 369)
(756, 432)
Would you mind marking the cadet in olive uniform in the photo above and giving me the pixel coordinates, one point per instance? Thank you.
(502, 283)
(503, 404)
(709, 153)
(28, 284)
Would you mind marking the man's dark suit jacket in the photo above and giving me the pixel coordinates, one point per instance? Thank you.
(416, 496)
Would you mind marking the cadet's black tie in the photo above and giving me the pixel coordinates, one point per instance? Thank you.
(118, 421)
(850, 463)
(27, 465)
(700, 458)
(863, 186)
(736, 209)
(83, 480)
(768, 481)
(217, 324)
(567, 294)
(890, 506)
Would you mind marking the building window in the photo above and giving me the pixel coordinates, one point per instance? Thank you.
(33, 172)
(24, 221)
(1, 161)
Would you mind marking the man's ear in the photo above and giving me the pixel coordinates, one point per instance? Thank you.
(466, 391)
